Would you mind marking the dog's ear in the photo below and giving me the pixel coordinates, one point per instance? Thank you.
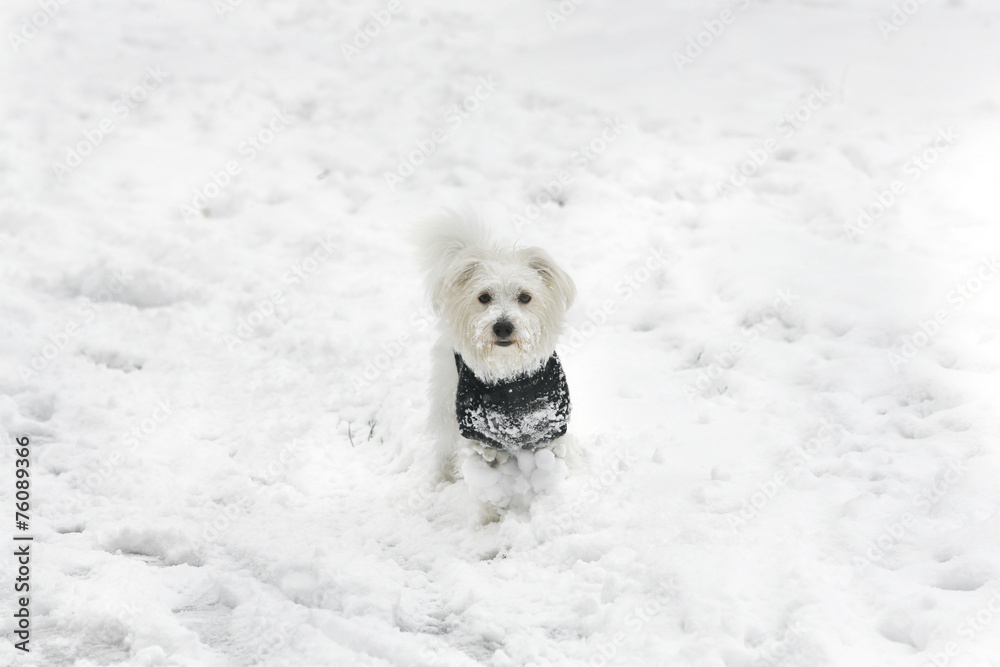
(557, 279)
(458, 275)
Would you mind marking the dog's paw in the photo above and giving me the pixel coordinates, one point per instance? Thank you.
(514, 481)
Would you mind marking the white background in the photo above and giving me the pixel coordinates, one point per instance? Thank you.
(224, 381)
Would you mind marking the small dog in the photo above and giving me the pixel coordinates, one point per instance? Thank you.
(498, 387)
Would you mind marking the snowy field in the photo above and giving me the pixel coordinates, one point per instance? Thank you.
(782, 221)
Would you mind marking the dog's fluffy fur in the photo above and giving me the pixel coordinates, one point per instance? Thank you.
(464, 267)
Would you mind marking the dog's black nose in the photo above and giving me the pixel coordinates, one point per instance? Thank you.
(503, 329)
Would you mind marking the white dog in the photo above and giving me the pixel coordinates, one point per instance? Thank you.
(498, 388)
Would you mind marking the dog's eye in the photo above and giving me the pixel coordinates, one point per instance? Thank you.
(485, 298)
(524, 297)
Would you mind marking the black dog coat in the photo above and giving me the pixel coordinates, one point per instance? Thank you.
(520, 413)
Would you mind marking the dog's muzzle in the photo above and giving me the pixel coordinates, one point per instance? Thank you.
(503, 330)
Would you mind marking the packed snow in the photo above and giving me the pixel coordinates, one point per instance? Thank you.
(781, 218)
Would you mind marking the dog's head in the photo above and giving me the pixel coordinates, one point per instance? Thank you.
(505, 308)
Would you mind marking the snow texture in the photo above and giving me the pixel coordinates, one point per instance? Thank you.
(781, 218)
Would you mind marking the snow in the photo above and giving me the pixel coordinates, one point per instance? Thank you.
(785, 388)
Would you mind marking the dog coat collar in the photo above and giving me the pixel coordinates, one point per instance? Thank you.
(520, 413)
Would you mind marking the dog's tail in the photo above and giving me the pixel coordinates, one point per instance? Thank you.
(441, 240)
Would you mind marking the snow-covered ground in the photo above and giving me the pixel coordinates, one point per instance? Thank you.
(781, 218)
